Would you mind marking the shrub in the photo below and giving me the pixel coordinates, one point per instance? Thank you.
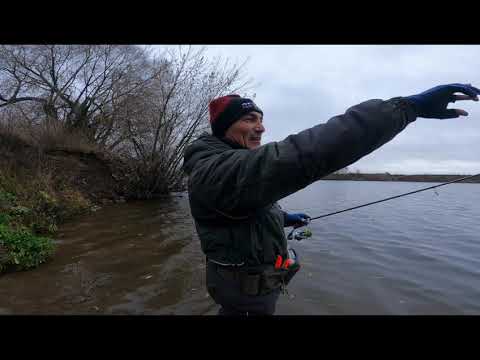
(24, 250)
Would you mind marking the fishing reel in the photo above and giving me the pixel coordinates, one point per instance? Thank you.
(298, 234)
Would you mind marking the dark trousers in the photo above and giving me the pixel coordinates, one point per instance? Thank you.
(226, 292)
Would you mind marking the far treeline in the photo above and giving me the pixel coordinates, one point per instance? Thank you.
(357, 176)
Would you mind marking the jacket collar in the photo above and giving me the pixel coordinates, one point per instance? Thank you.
(232, 143)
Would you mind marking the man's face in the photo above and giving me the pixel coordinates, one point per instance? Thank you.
(247, 131)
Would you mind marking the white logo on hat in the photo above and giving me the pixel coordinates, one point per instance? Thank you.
(247, 105)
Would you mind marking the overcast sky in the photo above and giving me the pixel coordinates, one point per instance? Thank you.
(299, 86)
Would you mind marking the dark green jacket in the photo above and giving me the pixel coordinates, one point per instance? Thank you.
(233, 191)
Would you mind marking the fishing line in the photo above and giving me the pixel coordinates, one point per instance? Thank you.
(298, 234)
(393, 197)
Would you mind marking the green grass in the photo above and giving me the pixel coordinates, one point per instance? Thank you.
(24, 250)
(30, 212)
(34, 199)
(20, 247)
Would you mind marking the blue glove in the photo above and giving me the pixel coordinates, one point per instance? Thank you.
(296, 220)
(433, 103)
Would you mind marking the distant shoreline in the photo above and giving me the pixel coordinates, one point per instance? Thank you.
(394, 177)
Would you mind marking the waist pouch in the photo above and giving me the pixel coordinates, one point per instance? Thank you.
(266, 281)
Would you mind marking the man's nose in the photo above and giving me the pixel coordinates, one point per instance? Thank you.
(259, 127)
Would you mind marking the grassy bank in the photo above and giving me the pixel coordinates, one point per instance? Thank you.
(20, 249)
(30, 211)
(39, 191)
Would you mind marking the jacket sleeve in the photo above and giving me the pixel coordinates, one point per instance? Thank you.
(239, 181)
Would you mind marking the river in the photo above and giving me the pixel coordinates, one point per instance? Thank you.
(419, 254)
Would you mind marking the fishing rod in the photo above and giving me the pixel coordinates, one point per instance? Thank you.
(394, 197)
(308, 233)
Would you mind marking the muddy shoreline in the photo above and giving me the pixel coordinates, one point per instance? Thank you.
(134, 258)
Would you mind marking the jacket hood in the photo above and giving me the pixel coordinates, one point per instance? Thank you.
(204, 146)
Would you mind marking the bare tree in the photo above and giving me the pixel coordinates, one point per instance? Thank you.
(175, 111)
(142, 107)
(73, 84)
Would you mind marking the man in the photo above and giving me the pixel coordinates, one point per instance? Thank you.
(234, 184)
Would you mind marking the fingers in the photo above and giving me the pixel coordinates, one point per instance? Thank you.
(453, 113)
(465, 89)
(474, 88)
(302, 222)
(458, 85)
(464, 97)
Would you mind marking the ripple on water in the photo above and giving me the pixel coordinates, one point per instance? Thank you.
(414, 255)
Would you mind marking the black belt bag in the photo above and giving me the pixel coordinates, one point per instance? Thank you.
(277, 278)
(263, 282)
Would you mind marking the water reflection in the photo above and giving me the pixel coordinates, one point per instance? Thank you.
(135, 258)
(416, 255)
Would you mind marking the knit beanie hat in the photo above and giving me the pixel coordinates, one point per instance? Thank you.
(225, 110)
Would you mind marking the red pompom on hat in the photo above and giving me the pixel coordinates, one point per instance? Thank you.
(225, 110)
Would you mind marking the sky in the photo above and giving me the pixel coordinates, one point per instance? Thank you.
(300, 86)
